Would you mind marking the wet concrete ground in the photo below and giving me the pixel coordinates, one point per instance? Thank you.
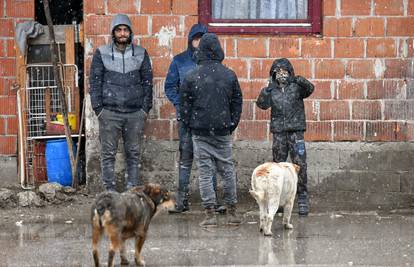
(62, 237)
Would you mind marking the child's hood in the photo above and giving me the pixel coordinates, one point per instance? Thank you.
(282, 63)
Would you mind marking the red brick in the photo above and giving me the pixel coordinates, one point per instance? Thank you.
(366, 110)
(337, 27)
(3, 126)
(350, 90)
(12, 125)
(4, 86)
(169, 22)
(318, 131)
(385, 89)
(229, 47)
(349, 48)
(400, 26)
(175, 130)
(316, 48)
(157, 130)
(98, 25)
(361, 69)
(406, 48)
(8, 145)
(329, 7)
(284, 47)
(355, 7)
(3, 47)
(322, 90)
(311, 110)
(410, 131)
(179, 44)
(156, 7)
(251, 47)
(303, 67)
(2, 9)
(260, 68)
(399, 110)
(260, 114)
(185, 7)
(398, 68)
(370, 27)
(7, 67)
(386, 131)
(389, 7)
(334, 110)
(189, 21)
(252, 130)
(329, 69)
(95, 41)
(348, 131)
(8, 105)
(158, 88)
(410, 7)
(160, 66)
(251, 88)
(384, 47)
(122, 6)
(154, 50)
(94, 7)
(10, 52)
(167, 110)
(239, 66)
(20, 8)
(247, 113)
(139, 25)
(6, 27)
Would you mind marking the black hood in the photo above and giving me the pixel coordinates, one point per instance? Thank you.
(282, 63)
(196, 30)
(209, 48)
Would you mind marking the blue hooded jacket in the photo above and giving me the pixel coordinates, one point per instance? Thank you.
(180, 66)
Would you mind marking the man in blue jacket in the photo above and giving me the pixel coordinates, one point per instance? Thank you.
(121, 96)
(180, 66)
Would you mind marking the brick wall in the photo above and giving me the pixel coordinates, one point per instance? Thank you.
(362, 65)
(11, 12)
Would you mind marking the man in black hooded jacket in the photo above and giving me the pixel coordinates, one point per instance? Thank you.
(285, 95)
(210, 107)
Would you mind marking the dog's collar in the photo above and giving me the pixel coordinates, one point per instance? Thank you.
(149, 201)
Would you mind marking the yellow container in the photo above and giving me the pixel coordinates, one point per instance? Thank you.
(71, 119)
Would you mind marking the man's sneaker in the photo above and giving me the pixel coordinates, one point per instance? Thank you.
(232, 218)
(220, 209)
(303, 204)
(210, 220)
(177, 210)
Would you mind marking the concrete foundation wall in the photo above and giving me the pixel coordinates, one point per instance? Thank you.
(8, 171)
(346, 175)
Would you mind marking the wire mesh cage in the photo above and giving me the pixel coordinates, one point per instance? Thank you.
(40, 106)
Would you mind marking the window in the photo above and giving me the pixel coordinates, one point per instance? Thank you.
(261, 16)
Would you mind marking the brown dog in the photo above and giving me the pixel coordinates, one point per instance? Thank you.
(126, 215)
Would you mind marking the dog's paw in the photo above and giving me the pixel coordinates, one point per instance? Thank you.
(140, 261)
(124, 262)
(288, 226)
(268, 233)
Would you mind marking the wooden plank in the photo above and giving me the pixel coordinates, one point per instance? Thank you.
(70, 45)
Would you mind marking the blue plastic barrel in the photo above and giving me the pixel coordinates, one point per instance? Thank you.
(58, 162)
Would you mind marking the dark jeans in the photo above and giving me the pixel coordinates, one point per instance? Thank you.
(186, 159)
(215, 153)
(293, 143)
(113, 126)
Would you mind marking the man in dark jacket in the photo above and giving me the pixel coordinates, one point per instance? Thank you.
(180, 66)
(121, 96)
(285, 95)
(210, 107)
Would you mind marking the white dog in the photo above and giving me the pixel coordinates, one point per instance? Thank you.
(273, 185)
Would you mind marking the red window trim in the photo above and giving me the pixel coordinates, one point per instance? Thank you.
(315, 21)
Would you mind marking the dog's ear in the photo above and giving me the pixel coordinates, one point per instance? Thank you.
(152, 190)
(297, 168)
